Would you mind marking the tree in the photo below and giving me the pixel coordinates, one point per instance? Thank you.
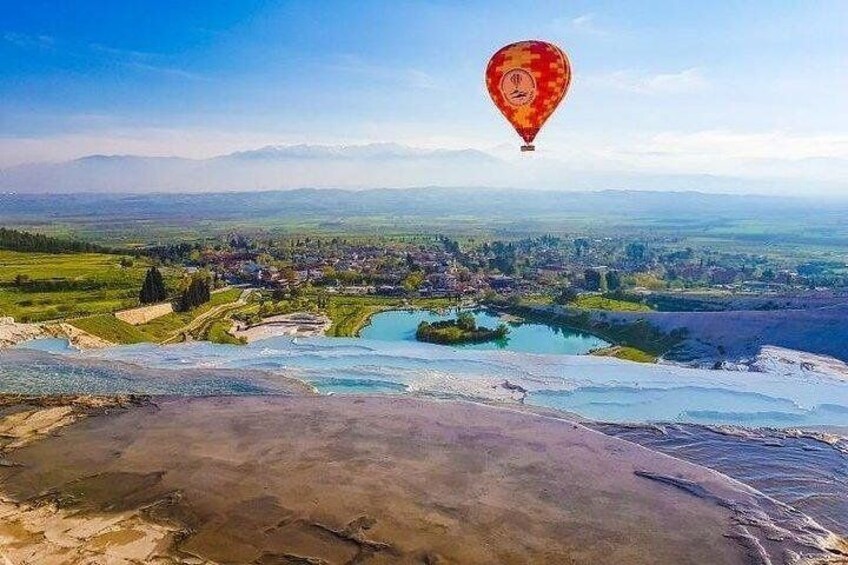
(451, 245)
(196, 294)
(594, 280)
(413, 280)
(505, 258)
(581, 246)
(636, 251)
(649, 281)
(613, 280)
(290, 275)
(465, 321)
(322, 299)
(328, 275)
(153, 288)
(23, 241)
(566, 296)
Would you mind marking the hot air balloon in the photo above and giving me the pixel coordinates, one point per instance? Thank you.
(527, 81)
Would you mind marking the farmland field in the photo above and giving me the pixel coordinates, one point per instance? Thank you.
(51, 286)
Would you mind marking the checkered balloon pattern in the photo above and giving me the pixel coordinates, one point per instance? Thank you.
(527, 81)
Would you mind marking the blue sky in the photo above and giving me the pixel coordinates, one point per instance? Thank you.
(746, 89)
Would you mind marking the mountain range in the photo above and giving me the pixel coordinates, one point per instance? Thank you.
(356, 167)
(267, 168)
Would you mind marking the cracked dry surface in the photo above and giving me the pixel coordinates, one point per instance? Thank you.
(46, 528)
(318, 480)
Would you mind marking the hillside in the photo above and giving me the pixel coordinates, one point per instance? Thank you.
(46, 286)
(267, 168)
(14, 240)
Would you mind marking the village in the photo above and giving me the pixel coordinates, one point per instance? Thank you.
(440, 267)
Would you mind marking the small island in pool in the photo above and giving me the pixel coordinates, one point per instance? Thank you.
(463, 329)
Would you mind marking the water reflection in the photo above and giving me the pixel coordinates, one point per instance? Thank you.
(529, 337)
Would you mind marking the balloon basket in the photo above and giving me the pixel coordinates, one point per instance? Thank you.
(528, 147)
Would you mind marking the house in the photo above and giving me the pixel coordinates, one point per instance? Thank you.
(501, 282)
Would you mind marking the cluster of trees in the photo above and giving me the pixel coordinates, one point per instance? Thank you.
(451, 245)
(567, 295)
(174, 252)
(465, 321)
(153, 289)
(331, 276)
(602, 281)
(198, 292)
(595, 280)
(463, 329)
(26, 284)
(15, 240)
(413, 280)
(504, 257)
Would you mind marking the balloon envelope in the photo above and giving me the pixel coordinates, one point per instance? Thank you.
(527, 81)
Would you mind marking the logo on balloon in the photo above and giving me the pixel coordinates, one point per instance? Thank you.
(518, 87)
(527, 80)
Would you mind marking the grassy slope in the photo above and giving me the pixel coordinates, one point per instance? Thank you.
(111, 329)
(627, 353)
(350, 317)
(164, 327)
(118, 285)
(635, 342)
(217, 333)
(215, 327)
(639, 334)
(596, 302)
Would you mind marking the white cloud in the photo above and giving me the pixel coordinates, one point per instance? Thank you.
(687, 80)
(586, 23)
(409, 77)
(802, 158)
(163, 142)
(104, 135)
(796, 161)
(750, 146)
(168, 71)
(27, 41)
(420, 79)
(143, 61)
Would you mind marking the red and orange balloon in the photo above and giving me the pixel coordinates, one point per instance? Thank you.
(527, 81)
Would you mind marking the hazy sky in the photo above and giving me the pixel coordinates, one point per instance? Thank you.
(749, 89)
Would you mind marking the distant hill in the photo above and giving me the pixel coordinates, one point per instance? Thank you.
(377, 165)
(692, 212)
(272, 167)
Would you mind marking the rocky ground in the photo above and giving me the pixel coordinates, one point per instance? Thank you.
(297, 324)
(739, 335)
(13, 333)
(269, 480)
